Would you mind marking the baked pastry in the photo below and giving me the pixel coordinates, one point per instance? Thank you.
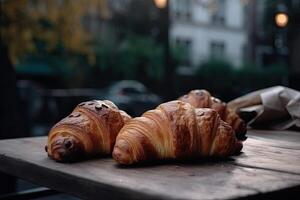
(203, 99)
(175, 130)
(91, 129)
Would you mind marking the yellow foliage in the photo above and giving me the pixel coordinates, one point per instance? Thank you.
(52, 21)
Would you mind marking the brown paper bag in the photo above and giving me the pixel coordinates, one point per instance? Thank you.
(275, 108)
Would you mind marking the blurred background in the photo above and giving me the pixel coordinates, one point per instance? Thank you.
(58, 53)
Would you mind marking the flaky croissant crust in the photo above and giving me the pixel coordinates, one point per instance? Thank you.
(203, 99)
(90, 129)
(175, 130)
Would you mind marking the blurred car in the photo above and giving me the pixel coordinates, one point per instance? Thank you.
(132, 97)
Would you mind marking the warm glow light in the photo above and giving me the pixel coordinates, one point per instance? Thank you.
(281, 19)
(160, 3)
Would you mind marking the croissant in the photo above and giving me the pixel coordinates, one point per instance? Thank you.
(175, 130)
(89, 130)
(203, 99)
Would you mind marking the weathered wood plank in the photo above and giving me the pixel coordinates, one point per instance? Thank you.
(262, 167)
(284, 139)
(272, 155)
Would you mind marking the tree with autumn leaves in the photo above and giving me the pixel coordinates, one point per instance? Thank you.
(27, 23)
(81, 35)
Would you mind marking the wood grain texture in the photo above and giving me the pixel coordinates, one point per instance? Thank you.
(267, 164)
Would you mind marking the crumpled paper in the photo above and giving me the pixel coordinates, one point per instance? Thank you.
(276, 108)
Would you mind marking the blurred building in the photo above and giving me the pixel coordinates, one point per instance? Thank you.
(208, 29)
(271, 44)
(259, 50)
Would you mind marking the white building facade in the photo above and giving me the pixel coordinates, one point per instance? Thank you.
(209, 28)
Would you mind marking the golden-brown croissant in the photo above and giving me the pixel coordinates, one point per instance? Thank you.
(89, 130)
(175, 130)
(203, 99)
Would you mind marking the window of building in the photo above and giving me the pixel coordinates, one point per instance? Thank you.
(218, 16)
(217, 49)
(185, 46)
(182, 9)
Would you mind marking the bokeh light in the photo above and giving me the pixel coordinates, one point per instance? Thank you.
(281, 19)
(160, 3)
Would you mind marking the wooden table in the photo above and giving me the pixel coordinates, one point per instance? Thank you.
(269, 165)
